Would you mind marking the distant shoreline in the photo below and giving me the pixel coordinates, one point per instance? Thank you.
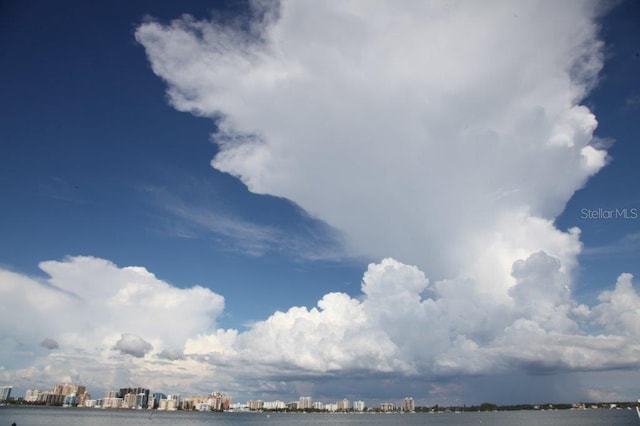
(485, 407)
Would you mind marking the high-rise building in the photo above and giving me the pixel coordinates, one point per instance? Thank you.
(31, 395)
(358, 405)
(129, 400)
(408, 404)
(142, 400)
(219, 401)
(174, 397)
(68, 389)
(344, 405)
(5, 393)
(154, 401)
(305, 403)
(71, 400)
(137, 391)
(111, 394)
(54, 399)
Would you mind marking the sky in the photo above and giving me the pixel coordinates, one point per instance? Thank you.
(336, 199)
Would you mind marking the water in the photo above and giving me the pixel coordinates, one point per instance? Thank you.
(49, 416)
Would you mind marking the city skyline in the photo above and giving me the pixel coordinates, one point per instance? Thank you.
(345, 200)
(68, 394)
(140, 398)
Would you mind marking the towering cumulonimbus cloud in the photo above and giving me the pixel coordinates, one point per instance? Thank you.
(447, 135)
(442, 139)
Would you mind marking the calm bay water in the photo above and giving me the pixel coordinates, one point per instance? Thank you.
(41, 416)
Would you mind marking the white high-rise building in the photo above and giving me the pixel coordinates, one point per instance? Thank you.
(408, 404)
(31, 395)
(358, 405)
(305, 402)
(174, 396)
(344, 405)
(331, 407)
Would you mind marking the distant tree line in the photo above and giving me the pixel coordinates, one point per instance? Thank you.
(488, 406)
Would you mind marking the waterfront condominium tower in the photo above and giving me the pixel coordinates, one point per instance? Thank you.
(5, 393)
(408, 404)
(305, 403)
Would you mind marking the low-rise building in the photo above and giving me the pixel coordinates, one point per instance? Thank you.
(203, 406)
(386, 406)
(274, 405)
(168, 405)
(255, 405)
(112, 403)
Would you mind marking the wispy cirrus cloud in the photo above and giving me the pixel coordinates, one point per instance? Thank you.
(628, 244)
(205, 217)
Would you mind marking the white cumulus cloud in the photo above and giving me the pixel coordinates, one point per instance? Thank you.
(87, 307)
(402, 329)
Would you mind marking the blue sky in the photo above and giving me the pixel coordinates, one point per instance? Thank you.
(89, 138)
(614, 101)
(346, 147)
